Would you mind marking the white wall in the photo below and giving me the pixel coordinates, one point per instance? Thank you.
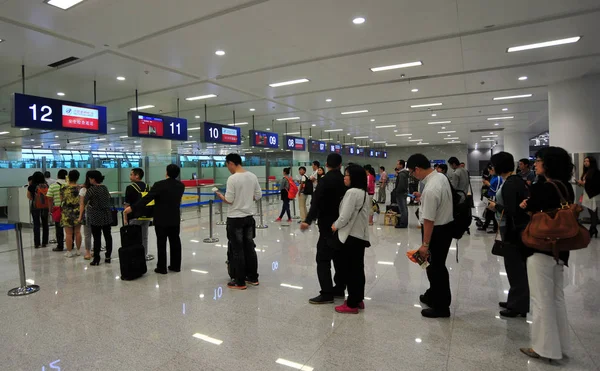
(476, 155)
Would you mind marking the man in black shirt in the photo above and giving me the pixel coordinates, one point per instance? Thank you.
(325, 208)
(167, 194)
(141, 217)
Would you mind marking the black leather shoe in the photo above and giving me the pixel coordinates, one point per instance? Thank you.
(107, 260)
(321, 300)
(58, 249)
(173, 270)
(95, 262)
(503, 304)
(424, 300)
(512, 314)
(156, 270)
(401, 226)
(435, 313)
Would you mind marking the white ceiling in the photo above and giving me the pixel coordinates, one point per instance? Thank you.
(166, 50)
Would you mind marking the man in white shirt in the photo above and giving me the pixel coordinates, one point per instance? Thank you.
(313, 177)
(435, 215)
(242, 190)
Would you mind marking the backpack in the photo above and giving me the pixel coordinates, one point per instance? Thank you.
(308, 186)
(293, 191)
(557, 230)
(149, 208)
(461, 212)
(40, 198)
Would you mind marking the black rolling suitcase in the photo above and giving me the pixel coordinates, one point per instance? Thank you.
(132, 255)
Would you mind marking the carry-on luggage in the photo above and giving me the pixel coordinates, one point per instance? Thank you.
(132, 254)
(132, 260)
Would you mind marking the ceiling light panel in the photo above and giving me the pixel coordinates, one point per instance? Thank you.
(426, 105)
(500, 118)
(288, 118)
(397, 66)
(447, 132)
(285, 83)
(332, 130)
(385, 126)
(141, 107)
(355, 112)
(207, 96)
(63, 4)
(439, 122)
(454, 138)
(544, 44)
(403, 135)
(514, 97)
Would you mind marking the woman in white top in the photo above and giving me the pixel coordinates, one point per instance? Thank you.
(352, 228)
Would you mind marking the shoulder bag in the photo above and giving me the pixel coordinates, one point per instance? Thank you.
(557, 230)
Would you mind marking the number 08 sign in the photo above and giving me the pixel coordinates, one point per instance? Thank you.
(53, 114)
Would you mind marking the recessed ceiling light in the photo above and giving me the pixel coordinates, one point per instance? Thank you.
(514, 97)
(4, 132)
(1, 40)
(313, 125)
(438, 122)
(75, 142)
(292, 82)
(100, 139)
(24, 129)
(120, 78)
(252, 109)
(358, 20)
(288, 118)
(395, 131)
(500, 118)
(325, 139)
(332, 130)
(545, 44)
(32, 140)
(454, 138)
(268, 129)
(354, 112)
(443, 127)
(426, 105)
(364, 137)
(415, 90)
(415, 140)
(403, 135)
(197, 116)
(379, 142)
(522, 78)
(141, 107)
(328, 100)
(220, 52)
(504, 109)
(497, 124)
(422, 143)
(12, 142)
(447, 132)
(60, 94)
(123, 136)
(396, 66)
(201, 97)
(292, 133)
(489, 136)
(63, 4)
(56, 136)
(112, 128)
(434, 115)
(239, 124)
(385, 126)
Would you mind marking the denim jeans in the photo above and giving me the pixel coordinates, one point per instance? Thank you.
(40, 219)
(243, 262)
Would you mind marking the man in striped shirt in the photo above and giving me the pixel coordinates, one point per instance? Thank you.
(54, 200)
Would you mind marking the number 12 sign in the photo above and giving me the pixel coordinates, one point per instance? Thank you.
(148, 125)
(53, 114)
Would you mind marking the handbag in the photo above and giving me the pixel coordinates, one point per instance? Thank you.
(56, 214)
(334, 241)
(556, 230)
(498, 248)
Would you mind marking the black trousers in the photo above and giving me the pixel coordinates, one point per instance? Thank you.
(353, 260)
(60, 236)
(241, 253)
(171, 233)
(97, 232)
(439, 294)
(40, 219)
(285, 208)
(326, 254)
(516, 272)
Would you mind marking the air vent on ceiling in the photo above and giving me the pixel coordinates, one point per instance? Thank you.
(63, 62)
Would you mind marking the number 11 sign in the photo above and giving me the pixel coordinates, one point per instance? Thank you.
(148, 125)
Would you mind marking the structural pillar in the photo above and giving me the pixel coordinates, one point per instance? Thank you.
(574, 114)
(517, 144)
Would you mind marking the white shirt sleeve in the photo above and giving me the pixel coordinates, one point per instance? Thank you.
(230, 193)
(429, 206)
(257, 190)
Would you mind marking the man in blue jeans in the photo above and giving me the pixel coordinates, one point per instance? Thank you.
(242, 190)
(402, 193)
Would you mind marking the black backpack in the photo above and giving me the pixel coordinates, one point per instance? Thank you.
(462, 213)
(308, 185)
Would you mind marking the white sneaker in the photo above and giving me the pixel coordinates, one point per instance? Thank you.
(69, 254)
(78, 252)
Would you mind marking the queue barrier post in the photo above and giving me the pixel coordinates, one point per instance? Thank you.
(294, 208)
(262, 224)
(221, 222)
(210, 239)
(24, 289)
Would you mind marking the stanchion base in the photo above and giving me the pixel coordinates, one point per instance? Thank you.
(149, 257)
(262, 226)
(221, 223)
(210, 240)
(22, 291)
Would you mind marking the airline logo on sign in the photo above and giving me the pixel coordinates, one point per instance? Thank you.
(79, 118)
(230, 135)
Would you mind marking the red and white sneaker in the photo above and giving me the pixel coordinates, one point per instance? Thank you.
(289, 220)
(344, 308)
(278, 220)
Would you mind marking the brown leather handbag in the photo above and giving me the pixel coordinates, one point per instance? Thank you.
(557, 230)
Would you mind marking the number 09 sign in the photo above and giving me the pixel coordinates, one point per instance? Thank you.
(52, 114)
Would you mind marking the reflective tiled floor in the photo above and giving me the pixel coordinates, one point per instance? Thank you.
(86, 318)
